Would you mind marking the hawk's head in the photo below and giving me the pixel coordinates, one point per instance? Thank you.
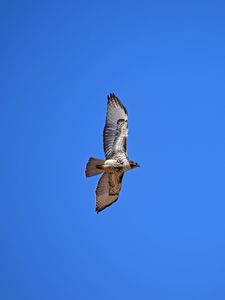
(133, 164)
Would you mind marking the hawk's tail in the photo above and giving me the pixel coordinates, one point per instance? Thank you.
(91, 167)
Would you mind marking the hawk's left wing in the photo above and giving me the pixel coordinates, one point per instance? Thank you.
(108, 189)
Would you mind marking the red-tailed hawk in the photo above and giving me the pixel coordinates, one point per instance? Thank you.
(115, 147)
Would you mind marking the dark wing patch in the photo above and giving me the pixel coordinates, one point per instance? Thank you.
(108, 189)
(116, 127)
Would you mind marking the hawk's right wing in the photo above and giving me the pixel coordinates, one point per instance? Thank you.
(108, 189)
(116, 127)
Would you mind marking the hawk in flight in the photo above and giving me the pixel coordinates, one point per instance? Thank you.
(115, 136)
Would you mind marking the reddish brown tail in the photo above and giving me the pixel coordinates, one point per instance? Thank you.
(91, 169)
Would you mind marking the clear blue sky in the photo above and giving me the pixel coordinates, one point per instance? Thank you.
(165, 237)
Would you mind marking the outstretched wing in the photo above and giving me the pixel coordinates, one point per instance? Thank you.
(108, 189)
(116, 127)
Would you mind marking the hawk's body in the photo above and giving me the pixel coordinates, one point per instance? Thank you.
(115, 147)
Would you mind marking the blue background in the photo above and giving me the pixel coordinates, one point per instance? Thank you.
(165, 237)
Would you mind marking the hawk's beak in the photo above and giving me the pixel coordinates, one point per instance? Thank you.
(138, 165)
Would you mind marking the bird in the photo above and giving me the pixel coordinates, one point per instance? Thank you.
(115, 135)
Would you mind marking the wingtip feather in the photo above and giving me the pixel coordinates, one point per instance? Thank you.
(112, 97)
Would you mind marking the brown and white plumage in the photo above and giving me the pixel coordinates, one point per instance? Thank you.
(116, 128)
(115, 136)
(108, 189)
